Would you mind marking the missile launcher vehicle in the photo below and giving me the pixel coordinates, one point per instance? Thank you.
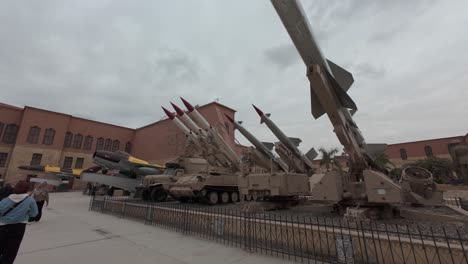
(215, 179)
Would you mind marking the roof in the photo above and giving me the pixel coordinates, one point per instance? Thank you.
(433, 139)
(197, 107)
(10, 106)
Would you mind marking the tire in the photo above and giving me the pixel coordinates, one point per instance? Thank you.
(234, 197)
(212, 198)
(183, 200)
(224, 197)
(146, 195)
(158, 195)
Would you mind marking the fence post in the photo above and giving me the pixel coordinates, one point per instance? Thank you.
(123, 208)
(103, 204)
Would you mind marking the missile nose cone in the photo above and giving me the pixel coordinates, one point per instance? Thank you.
(177, 109)
(168, 113)
(259, 112)
(190, 108)
(229, 118)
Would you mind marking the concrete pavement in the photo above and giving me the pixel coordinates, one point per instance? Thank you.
(69, 233)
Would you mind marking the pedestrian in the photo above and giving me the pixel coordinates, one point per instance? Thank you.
(15, 210)
(5, 191)
(41, 196)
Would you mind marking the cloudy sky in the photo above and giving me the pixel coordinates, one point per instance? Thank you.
(119, 61)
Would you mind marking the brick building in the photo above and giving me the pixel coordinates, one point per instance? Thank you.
(32, 136)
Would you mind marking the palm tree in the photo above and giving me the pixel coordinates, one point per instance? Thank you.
(328, 158)
(383, 161)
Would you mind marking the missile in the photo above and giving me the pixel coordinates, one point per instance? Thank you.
(329, 82)
(296, 23)
(187, 120)
(258, 145)
(285, 140)
(223, 146)
(63, 172)
(182, 127)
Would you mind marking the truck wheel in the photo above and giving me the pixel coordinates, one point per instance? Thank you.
(146, 195)
(224, 197)
(234, 197)
(212, 198)
(158, 195)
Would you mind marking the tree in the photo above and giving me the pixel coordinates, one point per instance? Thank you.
(328, 158)
(383, 161)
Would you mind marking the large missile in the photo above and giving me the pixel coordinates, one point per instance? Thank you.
(285, 140)
(212, 131)
(329, 83)
(258, 145)
(296, 23)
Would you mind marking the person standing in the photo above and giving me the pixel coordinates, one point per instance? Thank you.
(41, 196)
(6, 191)
(15, 210)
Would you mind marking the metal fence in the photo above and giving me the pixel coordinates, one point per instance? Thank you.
(299, 236)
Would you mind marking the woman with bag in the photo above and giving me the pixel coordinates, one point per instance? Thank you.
(15, 210)
(41, 196)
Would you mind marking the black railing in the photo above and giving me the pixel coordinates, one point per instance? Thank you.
(299, 236)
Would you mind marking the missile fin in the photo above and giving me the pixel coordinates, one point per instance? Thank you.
(295, 141)
(311, 154)
(342, 76)
(343, 96)
(317, 108)
(269, 145)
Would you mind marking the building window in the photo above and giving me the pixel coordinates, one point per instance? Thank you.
(9, 136)
(77, 141)
(227, 127)
(108, 144)
(115, 145)
(450, 146)
(68, 140)
(36, 159)
(3, 159)
(1, 128)
(33, 135)
(67, 162)
(88, 142)
(100, 144)
(128, 147)
(428, 151)
(79, 163)
(48, 136)
(403, 154)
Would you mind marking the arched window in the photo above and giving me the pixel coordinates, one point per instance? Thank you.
(115, 145)
(77, 140)
(108, 144)
(100, 144)
(9, 136)
(48, 136)
(88, 142)
(428, 151)
(403, 154)
(1, 128)
(68, 140)
(33, 135)
(128, 147)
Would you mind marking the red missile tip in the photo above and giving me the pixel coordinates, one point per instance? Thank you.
(190, 108)
(259, 112)
(229, 118)
(168, 113)
(177, 109)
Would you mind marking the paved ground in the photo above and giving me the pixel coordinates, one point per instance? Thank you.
(69, 233)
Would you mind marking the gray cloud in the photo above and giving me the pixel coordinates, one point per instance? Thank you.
(117, 62)
(283, 55)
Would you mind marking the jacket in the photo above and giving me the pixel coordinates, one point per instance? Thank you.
(21, 213)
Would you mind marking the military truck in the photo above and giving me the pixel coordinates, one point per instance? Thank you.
(154, 187)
